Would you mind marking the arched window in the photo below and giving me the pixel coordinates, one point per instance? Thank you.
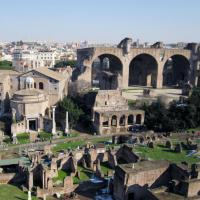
(139, 119)
(41, 86)
(122, 121)
(114, 121)
(34, 85)
(105, 122)
(130, 120)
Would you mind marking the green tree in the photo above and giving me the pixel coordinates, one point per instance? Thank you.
(67, 104)
(183, 114)
(5, 65)
(178, 116)
(62, 64)
(156, 117)
(194, 99)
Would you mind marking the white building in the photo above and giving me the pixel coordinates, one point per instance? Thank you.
(7, 57)
(26, 60)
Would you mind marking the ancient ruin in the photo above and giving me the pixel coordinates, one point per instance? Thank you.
(111, 113)
(124, 66)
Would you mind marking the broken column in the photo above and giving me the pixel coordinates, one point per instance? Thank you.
(53, 120)
(67, 124)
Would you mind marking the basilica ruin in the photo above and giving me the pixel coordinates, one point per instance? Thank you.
(125, 66)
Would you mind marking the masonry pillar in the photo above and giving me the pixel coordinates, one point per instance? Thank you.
(126, 120)
(159, 81)
(142, 119)
(149, 77)
(109, 122)
(67, 124)
(30, 180)
(134, 119)
(125, 73)
(53, 120)
(118, 124)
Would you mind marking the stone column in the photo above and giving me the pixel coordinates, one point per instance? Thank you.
(53, 120)
(29, 195)
(196, 81)
(142, 120)
(67, 124)
(134, 119)
(30, 180)
(27, 125)
(38, 124)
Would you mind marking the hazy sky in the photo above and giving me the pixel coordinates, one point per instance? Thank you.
(100, 20)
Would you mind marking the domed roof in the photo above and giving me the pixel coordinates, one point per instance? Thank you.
(29, 92)
(29, 95)
(29, 80)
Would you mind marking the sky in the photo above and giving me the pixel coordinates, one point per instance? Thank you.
(100, 21)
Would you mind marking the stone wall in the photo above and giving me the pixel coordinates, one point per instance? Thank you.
(18, 127)
(87, 56)
(193, 188)
(6, 178)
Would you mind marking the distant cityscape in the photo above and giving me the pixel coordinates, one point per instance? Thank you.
(47, 53)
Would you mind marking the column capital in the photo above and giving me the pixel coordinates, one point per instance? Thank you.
(53, 107)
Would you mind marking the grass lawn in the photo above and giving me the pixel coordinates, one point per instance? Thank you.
(45, 136)
(23, 138)
(73, 135)
(61, 176)
(100, 140)
(105, 168)
(10, 192)
(67, 145)
(75, 144)
(198, 141)
(194, 129)
(161, 153)
(85, 175)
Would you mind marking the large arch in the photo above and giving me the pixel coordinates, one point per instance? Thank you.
(107, 72)
(143, 71)
(176, 71)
